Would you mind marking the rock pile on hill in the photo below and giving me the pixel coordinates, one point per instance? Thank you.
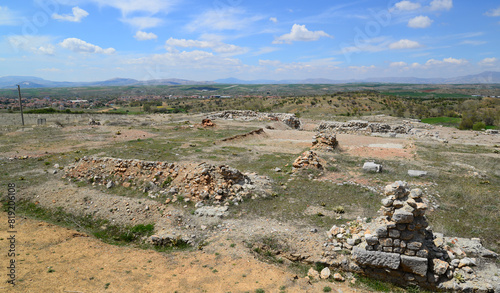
(289, 119)
(325, 141)
(308, 159)
(197, 182)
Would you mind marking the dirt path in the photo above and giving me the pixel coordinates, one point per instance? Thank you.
(56, 259)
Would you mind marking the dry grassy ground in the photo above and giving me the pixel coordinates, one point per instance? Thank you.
(462, 188)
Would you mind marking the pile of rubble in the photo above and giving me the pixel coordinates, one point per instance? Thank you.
(359, 126)
(196, 182)
(93, 122)
(399, 246)
(308, 159)
(207, 123)
(325, 141)
(289, 119)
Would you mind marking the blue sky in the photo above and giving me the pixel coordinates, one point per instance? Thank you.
(89, 40)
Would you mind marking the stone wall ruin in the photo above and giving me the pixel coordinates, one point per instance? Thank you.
(400, 247)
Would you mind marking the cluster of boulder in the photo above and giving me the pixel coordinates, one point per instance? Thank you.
(359, 126)
(196, 182)
(399, 246)
(308, 159)
(289, 119)
(325, 141)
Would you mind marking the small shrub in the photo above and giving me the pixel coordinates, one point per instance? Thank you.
(339, 209)
(479, 126)
(327, 289)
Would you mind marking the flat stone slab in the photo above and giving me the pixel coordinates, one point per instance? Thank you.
(211, 211)
(417, 173)
(376, 258)
(416, 265)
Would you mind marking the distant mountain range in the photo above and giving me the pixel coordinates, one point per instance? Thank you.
(10, 82)
(485, 77)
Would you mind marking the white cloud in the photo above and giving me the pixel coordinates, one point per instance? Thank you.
(420, 22)
(143, 22)
(449, 60)
(473, 42)
(49, 70)
(406, 6)
(222, 19)
(47, 50)
(493, 12)
(80, 46)
(273, 19)
(398, 64)
(272, 63)
(8, 17)
(265, 50)
(78, 15)
(146, 6)
(300, 33)
(441, 5)
(174, 61)
(488, 61)
(213, 44)
(32, 43)
(404, 44)
(143, 36)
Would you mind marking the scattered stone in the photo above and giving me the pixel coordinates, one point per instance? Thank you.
(372, 167)
(110, 184)
(338, 277)
(416, 173)
(325, 273)
(313, 274)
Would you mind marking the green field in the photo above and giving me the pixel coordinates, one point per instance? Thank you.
(445, 121)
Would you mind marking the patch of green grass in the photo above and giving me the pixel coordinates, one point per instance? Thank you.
(445, 121)
(100, 228)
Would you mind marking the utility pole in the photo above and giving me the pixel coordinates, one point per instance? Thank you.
(20, 103)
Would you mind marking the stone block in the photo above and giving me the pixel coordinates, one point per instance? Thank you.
(381, 231)
(416, 173)
(376, 258)
(394, 233)
(401, 216)
(415, 265)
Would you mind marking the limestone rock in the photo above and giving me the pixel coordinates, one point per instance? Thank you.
(416, 173)
(313, 274)
(338, 277)
(439, 266)
(376, 258)
(325, 273)
(402, 216)
(372, 167)
(415, 265)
